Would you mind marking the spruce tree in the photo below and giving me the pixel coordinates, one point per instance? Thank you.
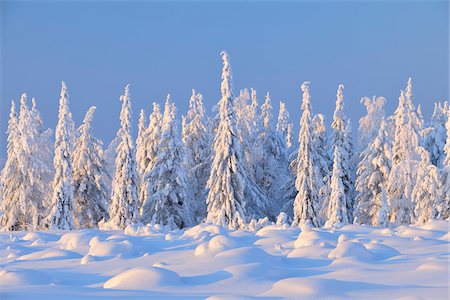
(61, 215)
(151, 145)
(370, 123)
(90, 191)
(231, 194)
(373, 175)
(197, 141)
(306, 201)
(342, 139)
(123, 209)
(284, 125)
(170, 203)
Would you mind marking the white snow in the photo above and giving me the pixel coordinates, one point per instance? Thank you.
(351, 262)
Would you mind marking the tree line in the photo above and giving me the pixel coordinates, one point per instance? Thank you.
(237, 168)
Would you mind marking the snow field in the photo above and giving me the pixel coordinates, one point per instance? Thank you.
(277, 261)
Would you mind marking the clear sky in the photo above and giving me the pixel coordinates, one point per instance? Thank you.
(172, 47)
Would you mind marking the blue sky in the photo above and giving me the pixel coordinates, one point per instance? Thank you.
(172, 47)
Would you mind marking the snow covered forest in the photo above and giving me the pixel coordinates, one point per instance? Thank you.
(240, 167)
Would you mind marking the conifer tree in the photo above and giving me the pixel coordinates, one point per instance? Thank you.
(141, 151)
(405, 158)
(231, 194)
(13, 217)
(373, 175)
(338, 204)
(306, 201)
(123, 209)
(90, 191)
(284, 125)
(170, 203)
(61, 215)
(342, 139)
(151, 145)
(436, 136)
(197, 141)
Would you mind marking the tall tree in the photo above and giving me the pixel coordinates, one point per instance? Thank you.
(11, 206)
(373, 174)
(436, 136)
(61, 216)
(338, 204)
(322, 163)
(306, 201)
(228, 180)
(197, 141)
(170, 204)
(342, 139)
(124, 200)
(151, 145)
(284, 125)
(405, 158)
(90, 191)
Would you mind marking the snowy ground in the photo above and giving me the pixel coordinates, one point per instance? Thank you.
(275, 262)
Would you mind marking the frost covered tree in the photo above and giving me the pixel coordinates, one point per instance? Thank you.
(231, 194)
(370, 123)
(436, 136)
(90, 191)
(123, 208)
(383, 214)
(151, 146)
(372, 178)
(273, 165)
(306, 201)
(284, 125)
(141, 151)
(339, 203)
(170, 203)
(197, 141)
(426, 190)
(443, 203)
(321, 162)
(342, 139)
(11, 207)
(405, 157)
(61, 215)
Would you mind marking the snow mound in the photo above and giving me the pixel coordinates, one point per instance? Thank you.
(351, 249)
(49, 254)
(147, 230)
(310, 238)
(109, 248)
(31, 236)
(23, 277)
(203, 231)
(77, 240)
(214, 246)
(151, 278)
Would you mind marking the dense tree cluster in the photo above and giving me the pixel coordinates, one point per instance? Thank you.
(236, 168)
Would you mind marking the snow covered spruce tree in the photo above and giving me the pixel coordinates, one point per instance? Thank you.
(170, 203)
(151, 146)
(405, 157)
(284, 125)
(436, 135)
(273, 166)
(306, 202)
(231, 194)
(370, 123)
(11, 207)
(322, 163)
(373, 174)
(342, 139)
(197, 141)
(90, 192)
(443, 203)
(141, 151)
(61, 215)
(426, 191)
(123, 209)
(338, 203)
